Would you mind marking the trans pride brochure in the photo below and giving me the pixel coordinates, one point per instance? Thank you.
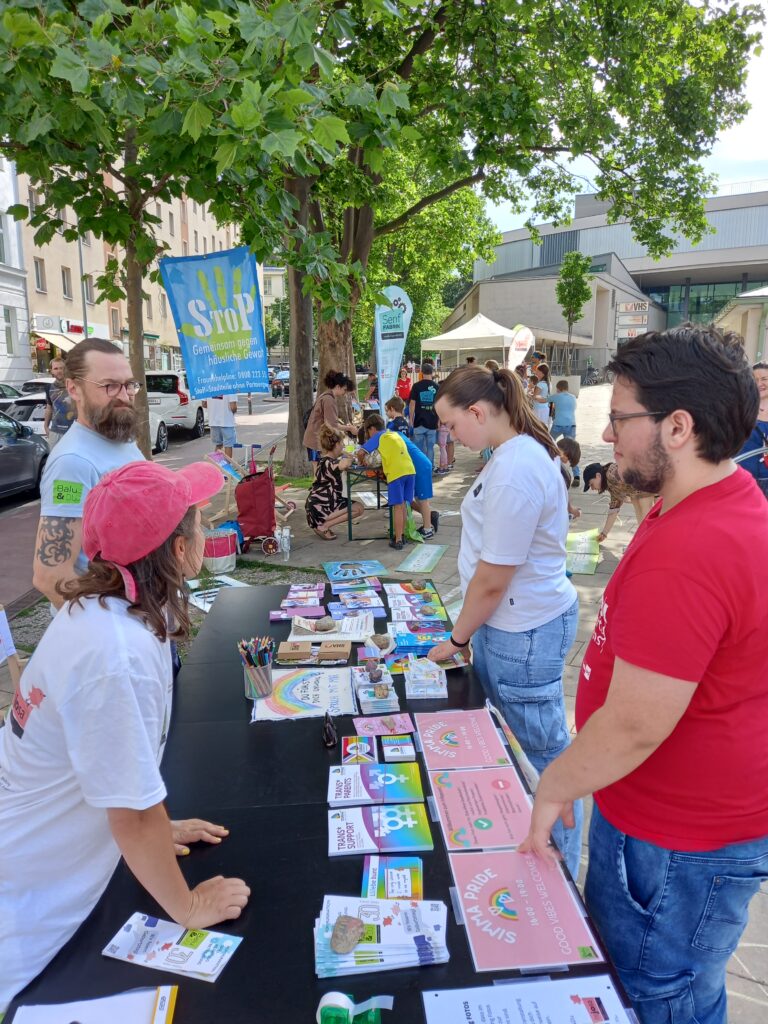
(164, 946)
(350, 785)
(389, 828)
(520, 911)
(481, 808)
(460, 739)
(398, 933)
(590, 1000)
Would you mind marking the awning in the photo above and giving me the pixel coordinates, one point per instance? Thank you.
(63, 341)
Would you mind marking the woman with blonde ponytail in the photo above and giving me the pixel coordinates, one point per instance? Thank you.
(520, 610)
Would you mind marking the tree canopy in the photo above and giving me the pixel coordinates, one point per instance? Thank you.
(427, 253)
(573, 291)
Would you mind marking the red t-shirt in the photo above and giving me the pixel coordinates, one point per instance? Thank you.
(689, 599)
(403, 388)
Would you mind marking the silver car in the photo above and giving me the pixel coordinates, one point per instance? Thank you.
(22, 457)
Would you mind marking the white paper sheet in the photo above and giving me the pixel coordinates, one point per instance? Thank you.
(592, 1000)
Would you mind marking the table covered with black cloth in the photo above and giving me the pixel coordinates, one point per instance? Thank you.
(267, 783)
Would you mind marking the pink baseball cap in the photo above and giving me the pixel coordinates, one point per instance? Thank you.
(133, 510)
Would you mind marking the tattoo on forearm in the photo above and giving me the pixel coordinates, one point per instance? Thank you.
(55, 536)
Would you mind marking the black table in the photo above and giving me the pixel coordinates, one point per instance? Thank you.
(358, 474)
(268, 784)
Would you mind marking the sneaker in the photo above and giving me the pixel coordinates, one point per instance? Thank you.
(576, 482)
(435, 518)
(426, 534)
(396, 544)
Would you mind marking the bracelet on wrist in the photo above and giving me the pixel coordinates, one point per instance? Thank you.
(456, 643)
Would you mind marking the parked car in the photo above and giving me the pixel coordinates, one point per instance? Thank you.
(281, 383)
(30, 410)
(35, 385)
(22, 457)
(168, 395)
(8, 394)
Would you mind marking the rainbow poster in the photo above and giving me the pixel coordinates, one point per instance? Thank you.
(460, 739)
(521, 912)
(306, 693)
(481, 808)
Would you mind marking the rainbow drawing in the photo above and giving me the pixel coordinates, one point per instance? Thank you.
(443, 780)
(448, 739)
(306, 693)
(500, 904)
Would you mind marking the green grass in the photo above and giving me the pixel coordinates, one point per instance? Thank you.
(25, 614)
(278, 567)
(294, 481)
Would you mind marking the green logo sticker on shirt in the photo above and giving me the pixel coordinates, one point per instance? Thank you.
(67, 492)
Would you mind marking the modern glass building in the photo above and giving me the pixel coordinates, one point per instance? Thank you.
(695, 282)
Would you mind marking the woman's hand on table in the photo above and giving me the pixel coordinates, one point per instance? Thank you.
(444, 651)
(195, 830)
(215, 900)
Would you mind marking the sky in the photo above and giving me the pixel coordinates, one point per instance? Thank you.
(739, 155)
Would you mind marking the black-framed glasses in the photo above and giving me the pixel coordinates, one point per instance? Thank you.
(113, 388)
(616, 417)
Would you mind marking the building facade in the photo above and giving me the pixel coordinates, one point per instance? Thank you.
(51, 290)
(15, 352)
(632, 292)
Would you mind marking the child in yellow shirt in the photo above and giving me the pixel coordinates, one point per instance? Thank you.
(401, 476)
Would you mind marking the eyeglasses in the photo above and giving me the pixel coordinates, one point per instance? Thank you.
(113, 389)
(616, 417)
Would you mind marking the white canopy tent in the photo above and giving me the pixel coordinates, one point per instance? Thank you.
(480, 333)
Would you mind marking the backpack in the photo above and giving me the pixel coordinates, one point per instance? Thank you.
(305, 417)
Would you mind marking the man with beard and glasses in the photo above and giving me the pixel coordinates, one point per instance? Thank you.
(101, 385)
(672, 701)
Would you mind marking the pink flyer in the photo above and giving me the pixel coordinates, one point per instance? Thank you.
(520, 911)
(384, 725)
(460, 739)
(481, 808)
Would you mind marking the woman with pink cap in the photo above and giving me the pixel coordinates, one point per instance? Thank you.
(81, 745)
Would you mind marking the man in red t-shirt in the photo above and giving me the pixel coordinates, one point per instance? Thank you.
(672, 703)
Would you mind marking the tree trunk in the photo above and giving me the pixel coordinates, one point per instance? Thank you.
(568, 350)
(300, 395)
(334, 344)
(133, 292)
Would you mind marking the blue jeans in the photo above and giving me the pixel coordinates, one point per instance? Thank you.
(425, 440)
(558, 430)
(670, 920)
(522, 674)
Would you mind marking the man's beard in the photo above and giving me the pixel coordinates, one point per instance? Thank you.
(117, 420)
(651, 476)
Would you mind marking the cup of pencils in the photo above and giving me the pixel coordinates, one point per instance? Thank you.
(256, 655)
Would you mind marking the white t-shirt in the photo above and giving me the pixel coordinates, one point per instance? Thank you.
(77, 463)
(85, 733)
(219, 412)
(516, 513)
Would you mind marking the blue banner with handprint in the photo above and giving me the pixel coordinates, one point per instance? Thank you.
(216, 307)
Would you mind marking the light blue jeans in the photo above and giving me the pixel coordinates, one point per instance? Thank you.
(671, 920)
(522, 674)
(558, 430)
(425, 440)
